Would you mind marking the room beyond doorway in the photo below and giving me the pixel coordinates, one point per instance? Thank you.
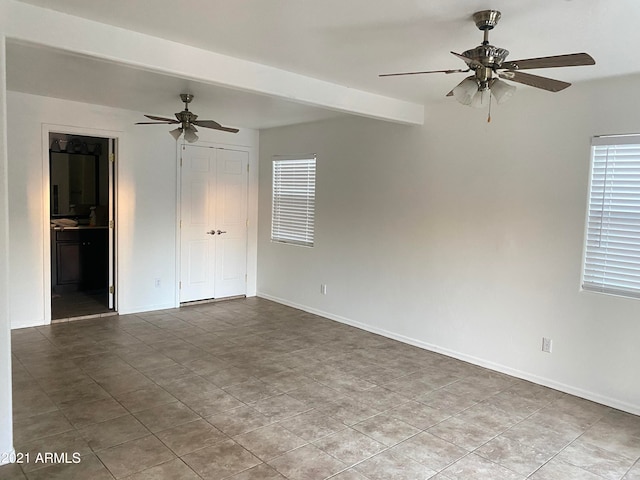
(82, 225)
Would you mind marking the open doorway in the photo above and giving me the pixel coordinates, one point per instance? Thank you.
(82, 199)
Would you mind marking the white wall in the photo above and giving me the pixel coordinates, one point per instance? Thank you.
(465, 237)
(147, 200)
(6, 419)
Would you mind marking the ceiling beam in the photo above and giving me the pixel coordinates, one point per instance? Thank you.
(28, 23)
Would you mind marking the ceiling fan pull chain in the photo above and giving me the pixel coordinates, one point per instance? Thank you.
(489, 116)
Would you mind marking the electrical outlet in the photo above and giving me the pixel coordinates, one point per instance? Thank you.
(547, 344)
(157, 283)
(323, 288)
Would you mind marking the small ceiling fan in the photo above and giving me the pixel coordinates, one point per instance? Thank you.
(488, 62)
(187, 121)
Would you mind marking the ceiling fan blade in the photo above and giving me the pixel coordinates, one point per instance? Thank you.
(214, 125)
(569, 60)
(154, 123)
(420, 73)
(164, 119)
(468, 61)
(207, 123)
(535, 81)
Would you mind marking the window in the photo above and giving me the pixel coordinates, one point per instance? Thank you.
(612, 251)
(294, 196)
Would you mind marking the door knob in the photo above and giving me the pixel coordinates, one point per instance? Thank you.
(211, 232)
(220, 232)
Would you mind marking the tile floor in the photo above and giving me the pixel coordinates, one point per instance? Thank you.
(249, 389)
(76, 304)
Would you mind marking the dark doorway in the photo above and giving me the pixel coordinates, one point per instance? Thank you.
(81, 212)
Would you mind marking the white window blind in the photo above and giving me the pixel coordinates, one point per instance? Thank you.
(612, 251)
(294, 196)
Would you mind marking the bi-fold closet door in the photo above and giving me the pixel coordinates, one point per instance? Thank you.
(213, 223)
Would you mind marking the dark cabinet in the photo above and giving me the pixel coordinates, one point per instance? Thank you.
(82, 258)
(68, 263)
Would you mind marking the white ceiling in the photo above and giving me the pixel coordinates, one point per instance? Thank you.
(348, 42)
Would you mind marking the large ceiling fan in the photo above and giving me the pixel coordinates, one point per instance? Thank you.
(488, 62)
(187, 121)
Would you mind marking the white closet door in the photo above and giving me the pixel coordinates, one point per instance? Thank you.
(231, 223)
(213, 223)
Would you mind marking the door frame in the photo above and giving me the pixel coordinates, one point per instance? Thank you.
(48, 128)
(252, 212)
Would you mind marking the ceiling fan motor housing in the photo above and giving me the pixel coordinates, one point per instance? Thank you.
(187, 118)
(488, 55)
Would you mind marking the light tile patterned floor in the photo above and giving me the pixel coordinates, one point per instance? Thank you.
(252, 390)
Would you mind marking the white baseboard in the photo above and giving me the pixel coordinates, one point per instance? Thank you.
(547, 382)
(122, 311)
(146, 308)
(25, 324)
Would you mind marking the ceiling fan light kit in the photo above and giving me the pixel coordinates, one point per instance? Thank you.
(176, 133)
(502, 91)
(190, 135)
(489, 64)
(481, 98)
(187, 121)
(466, 90)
